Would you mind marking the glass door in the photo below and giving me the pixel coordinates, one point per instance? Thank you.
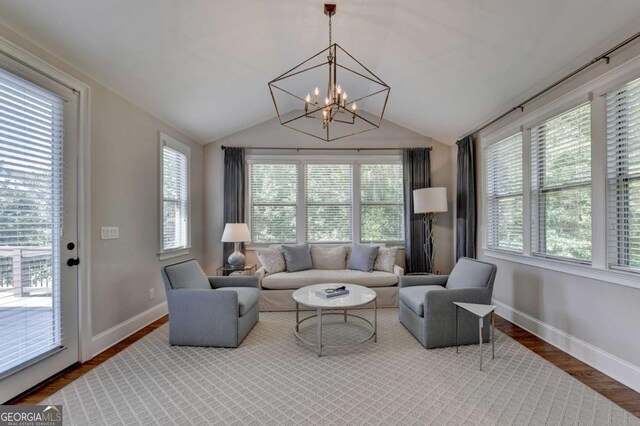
(38, 230)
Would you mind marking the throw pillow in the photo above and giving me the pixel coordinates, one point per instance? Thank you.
(386, 259)
(328, 257)
(363, 257)
(272, 260)
(297, 257)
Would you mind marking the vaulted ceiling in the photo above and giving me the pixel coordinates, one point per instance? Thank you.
(203, 65)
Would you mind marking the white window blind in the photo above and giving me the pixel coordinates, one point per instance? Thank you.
(175, 197)
(561, 185)
(623, 176)
(329, 197)
(273, 202)
(504, 194)
(381, 203)
(31, 167)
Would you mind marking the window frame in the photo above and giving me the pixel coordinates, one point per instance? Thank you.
(538, 222)
(489, 211)
(622, 180)
(176, 145)
(301, 160)
(594, 91)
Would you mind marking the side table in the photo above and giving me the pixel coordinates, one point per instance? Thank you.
(480, 311)
(226, 270)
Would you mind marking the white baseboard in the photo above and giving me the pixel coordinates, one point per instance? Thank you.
(609, 364)
(108, 338)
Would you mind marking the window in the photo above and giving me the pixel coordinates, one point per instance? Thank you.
(623, 175)
(561, 185)
(325, 201)
(274, 200)
(329, 202)
(175, 159)
(504, 194)
(381, 203)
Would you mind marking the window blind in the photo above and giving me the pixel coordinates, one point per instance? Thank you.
(175, 199)
(328, 196)
(31, 167)
(381, 203)
(623, 176)
(561, 185)
(273, 202)
(505, 194)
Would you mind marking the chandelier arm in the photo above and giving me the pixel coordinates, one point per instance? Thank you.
(362, 118)
(359, 63)
(298, 72)
(300, 64)
(368, 96)
(287, 92)
(362, 75)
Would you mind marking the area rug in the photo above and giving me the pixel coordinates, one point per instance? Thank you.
(274, 379)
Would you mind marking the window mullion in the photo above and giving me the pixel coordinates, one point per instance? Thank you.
(526, 192)
(356, 212)
(598, 181)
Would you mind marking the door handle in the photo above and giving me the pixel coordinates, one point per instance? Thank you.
(73, 262)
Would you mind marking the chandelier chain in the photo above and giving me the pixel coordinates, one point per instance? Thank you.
(330, 29)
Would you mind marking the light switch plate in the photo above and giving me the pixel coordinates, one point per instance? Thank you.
(109, 233)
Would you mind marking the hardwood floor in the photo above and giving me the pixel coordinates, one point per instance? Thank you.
(625, 397)
(615, 391)
(37, 394)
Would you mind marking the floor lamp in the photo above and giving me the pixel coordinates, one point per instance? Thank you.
(429, 201)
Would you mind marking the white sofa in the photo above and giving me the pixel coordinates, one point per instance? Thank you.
(276, 288)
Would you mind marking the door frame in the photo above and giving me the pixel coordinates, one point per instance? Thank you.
(21, 55)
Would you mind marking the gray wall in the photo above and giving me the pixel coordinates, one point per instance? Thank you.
(272, 134)
(124, 193)
(603, 315)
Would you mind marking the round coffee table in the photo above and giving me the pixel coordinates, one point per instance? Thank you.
(358, 296)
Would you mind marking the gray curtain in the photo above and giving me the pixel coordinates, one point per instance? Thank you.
(233, 190)
(416, 164)
(466, 200)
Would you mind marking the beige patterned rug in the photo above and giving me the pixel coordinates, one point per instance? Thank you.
(274, 379)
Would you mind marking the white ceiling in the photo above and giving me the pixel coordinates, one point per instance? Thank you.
(203, 66)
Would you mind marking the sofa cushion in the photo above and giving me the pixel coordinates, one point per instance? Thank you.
(272, 260)
(295, 280)
(187, 274)
(470, 273)
(413, 296)
(297, 257)
(363, 257)
(247, 297)
(329, 257)
(386, 259)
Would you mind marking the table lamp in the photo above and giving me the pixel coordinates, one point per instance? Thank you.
(236, 233)
(429, 201)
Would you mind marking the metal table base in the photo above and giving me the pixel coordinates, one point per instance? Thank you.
(319, 314)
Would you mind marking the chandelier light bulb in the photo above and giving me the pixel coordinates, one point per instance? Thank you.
(353, 107)
(308, 98)
(326, 101)
(344, 100)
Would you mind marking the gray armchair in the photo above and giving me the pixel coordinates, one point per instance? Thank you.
(427, 309)
(209, 311)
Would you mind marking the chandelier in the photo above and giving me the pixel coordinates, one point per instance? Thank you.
(352, 100)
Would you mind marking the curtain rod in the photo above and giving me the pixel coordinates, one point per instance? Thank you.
(274, 148)
(606, 56)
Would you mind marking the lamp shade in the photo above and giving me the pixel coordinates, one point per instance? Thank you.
(430, 200)
(236, 233)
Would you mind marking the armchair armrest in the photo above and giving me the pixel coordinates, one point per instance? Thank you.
(398, 270)
(235, 281)
(414, 280)
(441, 302)
(203, 317)
(260, 274)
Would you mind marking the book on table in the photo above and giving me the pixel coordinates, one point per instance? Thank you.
(330, 292)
